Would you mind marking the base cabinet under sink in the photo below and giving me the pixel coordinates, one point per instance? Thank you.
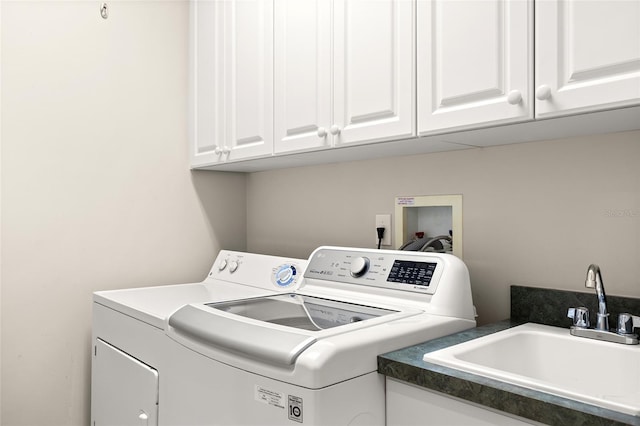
(410, 405)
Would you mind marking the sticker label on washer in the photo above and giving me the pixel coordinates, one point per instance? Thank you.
(295, 408)
(268, 396)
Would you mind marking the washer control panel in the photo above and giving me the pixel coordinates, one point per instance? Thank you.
(410, 271)
(258, 270)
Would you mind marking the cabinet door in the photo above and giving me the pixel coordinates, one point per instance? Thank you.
(124, 391)
(474, 63)
(374, 70)
(409, 405)
(587, 55)
(248, 79)
(302, 74)
(206, 83)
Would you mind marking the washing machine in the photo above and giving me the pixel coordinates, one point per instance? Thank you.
(308, 356)
(131, 352)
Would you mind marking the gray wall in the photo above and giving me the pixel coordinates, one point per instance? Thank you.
(533, 214)
(96, 191)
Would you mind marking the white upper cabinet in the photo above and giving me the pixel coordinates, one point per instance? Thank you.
(231, 80)
(206, 82)
(374, 57)
(474, 63)
(249, 86)
(274, 80)
(344, 72)
(303, 69)
(587, 55)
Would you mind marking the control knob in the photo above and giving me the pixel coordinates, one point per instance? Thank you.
(222, 265)
(285, 275)
(359, 266)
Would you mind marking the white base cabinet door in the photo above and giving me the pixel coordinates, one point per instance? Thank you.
(474, 63)
(587, 56)
(409, 405)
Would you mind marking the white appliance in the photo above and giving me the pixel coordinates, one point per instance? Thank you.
(302, 352)
(130, 345)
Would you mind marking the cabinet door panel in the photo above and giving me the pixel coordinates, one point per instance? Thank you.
(124, 391)
(302, 74)
(587, 55)
(206, 52)
(484, 57)
(249, 59)
(410, 405)
(374, 77)
(474, 61)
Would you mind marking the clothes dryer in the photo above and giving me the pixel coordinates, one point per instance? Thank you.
(130, 350)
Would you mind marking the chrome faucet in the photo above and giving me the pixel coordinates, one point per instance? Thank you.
(626, 322)
(594, 280)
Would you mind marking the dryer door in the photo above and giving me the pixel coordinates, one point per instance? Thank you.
(124, 391)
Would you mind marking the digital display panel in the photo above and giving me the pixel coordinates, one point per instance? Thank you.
(409, 272)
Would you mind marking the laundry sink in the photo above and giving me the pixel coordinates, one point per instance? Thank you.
(549, 359)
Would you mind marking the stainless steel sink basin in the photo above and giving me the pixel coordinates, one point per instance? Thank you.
(549, 359)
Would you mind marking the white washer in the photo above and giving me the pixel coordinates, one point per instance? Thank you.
(306, 356)
(130, 344)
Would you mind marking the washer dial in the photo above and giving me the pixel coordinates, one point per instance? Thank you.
(359, 266)
(285, 275)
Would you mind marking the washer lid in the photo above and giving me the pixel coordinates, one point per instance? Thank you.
(226, 332)
(301, 311)
(275, 329)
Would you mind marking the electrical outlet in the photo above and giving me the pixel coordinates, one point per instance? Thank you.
(384, 221)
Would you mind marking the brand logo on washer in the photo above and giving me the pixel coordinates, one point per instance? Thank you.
(295, 408)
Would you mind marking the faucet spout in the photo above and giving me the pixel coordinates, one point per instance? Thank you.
(594, 280)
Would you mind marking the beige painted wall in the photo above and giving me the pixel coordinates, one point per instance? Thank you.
(96, 191)
(533, 214)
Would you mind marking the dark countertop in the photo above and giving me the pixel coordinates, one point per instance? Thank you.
(407, 365)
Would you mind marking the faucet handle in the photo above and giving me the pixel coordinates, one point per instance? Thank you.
(580, 316)
(626, 323)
